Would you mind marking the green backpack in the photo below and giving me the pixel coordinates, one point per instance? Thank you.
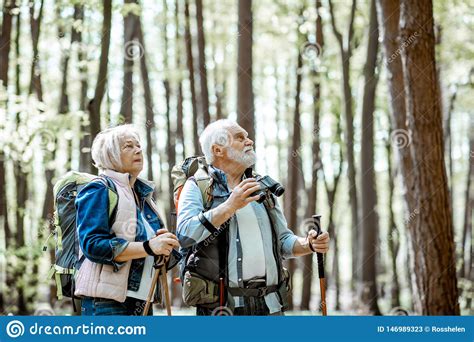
(67, 248)
(195, 167)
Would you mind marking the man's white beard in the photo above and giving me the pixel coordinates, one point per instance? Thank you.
(242, 157)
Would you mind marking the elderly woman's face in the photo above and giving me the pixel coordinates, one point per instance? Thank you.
(131, 156)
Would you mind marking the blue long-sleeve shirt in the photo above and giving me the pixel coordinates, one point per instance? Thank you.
(96, 239)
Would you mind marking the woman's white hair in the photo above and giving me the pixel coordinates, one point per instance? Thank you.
(215, 133)
(107, 146)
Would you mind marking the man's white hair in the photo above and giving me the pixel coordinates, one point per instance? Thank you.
(215, 133)
(107, 146)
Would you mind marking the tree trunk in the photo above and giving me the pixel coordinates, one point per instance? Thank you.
(64, 97)
(245, 97)
(432, 233)
(85, 162)
(390, 17)
(95, 103)
(312, 194)
(202, 64)
(190, 65)
(5, 44)
(179, 91)
(393, 234)
(294, 169)
(149, 113)
(400, 137)
(466, 255)
(345, 49)
(331, 195)
(35, 73)
(449, 143)
(130, 27)
(369, 230)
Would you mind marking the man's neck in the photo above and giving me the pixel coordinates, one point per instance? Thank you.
(233, 172)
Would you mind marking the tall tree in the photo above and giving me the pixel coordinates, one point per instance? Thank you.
(400, 136)
(5, 45)
(331, 191)
(149, 112)
(245, 97)
(95, 103)
(393, 234)
(295, 171)
(432, 233)
(467, 265)
(35, 74)
(179, 90)
(190, 65)
(313, 191)
(85, 142)
(369, 230)
(202, 63)
(345, 45)
(130, 28)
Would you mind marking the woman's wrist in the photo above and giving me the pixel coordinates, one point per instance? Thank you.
(147, 248)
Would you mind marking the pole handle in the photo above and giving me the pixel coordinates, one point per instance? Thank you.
(317, 225)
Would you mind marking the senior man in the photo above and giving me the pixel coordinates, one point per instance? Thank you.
(234, 246)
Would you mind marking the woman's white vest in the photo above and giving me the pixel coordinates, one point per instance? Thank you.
(99, 280)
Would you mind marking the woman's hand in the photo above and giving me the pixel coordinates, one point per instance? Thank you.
(163, 242)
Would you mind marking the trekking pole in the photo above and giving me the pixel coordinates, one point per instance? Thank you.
(159, 270)
(166, 291)
(322, 279)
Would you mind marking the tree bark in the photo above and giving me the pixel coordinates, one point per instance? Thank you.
(466, 266)
(5, 45)
(85, 162)
(35, 73)
(312, 193)
(95, 103)
(369, 228)
(130, 28)
(345, 49)
(331, 192)
(190, 65)
(390, 17)
(149, 112)
(393, 234)
(432, 232)
(245, 96)
(294, 167)
(202, 64)
(179, 91)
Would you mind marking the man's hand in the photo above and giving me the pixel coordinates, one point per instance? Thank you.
(239, 197)
(319, 243)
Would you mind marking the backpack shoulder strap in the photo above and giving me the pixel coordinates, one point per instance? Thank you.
(113, 195)
(204, 182)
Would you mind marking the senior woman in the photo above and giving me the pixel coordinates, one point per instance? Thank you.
(116, 274)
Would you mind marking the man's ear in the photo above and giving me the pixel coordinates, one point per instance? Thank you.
(217, 150)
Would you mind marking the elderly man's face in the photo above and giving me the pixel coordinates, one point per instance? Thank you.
(131, 156)
(240, 149)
